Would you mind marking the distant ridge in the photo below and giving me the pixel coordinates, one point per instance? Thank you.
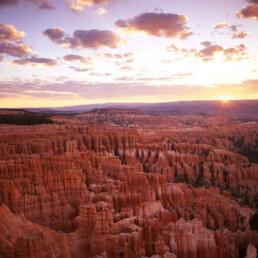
(12, 111)
(243, 109)
(112, 110)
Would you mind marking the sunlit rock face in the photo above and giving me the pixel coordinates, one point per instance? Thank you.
(179, 186)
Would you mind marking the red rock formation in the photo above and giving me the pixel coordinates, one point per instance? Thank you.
(251, 252)
(116, 192)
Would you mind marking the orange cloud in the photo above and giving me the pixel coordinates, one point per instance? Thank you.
(209, 51)
(72, 58)
(221, 25)
(234, 28)
(129, 54)
(35, 61)
(77, 5)
(18, 50)
(131, 60)
(101, 11)
(9, 32)
(240, 35)
(113, 55)
(157, 24)
(123, 68)
(250, 11)
(183, 51)
(80, 39)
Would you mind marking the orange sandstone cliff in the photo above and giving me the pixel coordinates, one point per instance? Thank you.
(80, 189)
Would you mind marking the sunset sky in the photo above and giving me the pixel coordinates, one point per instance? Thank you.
(61, 53)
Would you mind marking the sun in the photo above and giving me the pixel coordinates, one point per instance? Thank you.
(225, 98)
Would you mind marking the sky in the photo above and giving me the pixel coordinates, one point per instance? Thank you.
(74, 52)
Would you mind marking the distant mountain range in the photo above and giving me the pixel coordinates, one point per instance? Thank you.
(241, 109)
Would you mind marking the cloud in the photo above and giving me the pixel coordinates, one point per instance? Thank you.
(8, 3)
(77, 5)
(56, 35)
(100, 74)
(145, 79)
(76, 69)
(207, 59)
(233, 28)
(221, 25)
(208, 52)
(4, 96)
(125, 63)
(250, 11)
(1, 58)
(72, 58)
(157, 24)
(129, 61)
(247, 85)
(46, 6)
(35, 61)
(182, 51)
(114, 56)
(130, 54)
(42, 4)
(94, 39)
(125, 68)
(126, 90)
(120, 59)
(14, 48)
(19, 50)
(10, 42)
(101, 11)
(9, 32)
(172, 77)
(166, 61)
(240, 35)
(80, 39)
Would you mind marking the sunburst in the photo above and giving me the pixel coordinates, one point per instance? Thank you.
(225, 98)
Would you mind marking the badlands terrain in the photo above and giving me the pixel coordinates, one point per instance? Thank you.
(124, 183)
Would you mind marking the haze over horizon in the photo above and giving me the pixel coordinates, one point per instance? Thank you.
(62, 53)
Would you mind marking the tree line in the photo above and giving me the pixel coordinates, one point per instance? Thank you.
(25, 119)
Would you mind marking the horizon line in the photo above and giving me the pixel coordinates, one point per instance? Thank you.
(128, 103)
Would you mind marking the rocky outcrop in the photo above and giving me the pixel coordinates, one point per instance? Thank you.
(85, 190)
